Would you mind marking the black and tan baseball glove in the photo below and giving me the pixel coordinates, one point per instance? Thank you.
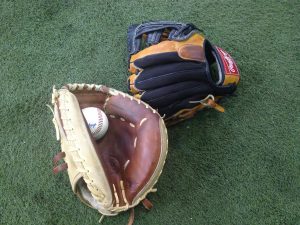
(176, 70)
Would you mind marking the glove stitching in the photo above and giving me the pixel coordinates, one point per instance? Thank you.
(81, 163)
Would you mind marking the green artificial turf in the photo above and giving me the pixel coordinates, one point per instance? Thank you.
(240, 167)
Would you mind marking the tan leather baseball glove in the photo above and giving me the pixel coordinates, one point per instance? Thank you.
(116, 172)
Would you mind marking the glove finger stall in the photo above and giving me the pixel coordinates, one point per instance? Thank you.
(161, 97)
(159, 76)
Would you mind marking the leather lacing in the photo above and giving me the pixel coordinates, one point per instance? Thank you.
(56, 159)
(146, 203)
(58, 168)
(209, 101)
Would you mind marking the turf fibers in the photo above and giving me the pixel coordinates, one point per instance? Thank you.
(240, 167)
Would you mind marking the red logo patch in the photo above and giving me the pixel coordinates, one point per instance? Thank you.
(228, 62)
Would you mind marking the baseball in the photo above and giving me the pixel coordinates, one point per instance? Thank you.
(97, 121)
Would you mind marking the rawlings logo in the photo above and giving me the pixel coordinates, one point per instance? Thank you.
(228, 62)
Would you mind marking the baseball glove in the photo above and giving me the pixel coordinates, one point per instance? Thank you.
(176, 70)
(116, 172)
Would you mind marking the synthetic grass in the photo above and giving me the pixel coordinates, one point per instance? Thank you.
(240, 167)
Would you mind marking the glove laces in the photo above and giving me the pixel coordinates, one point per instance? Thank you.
(209, 101)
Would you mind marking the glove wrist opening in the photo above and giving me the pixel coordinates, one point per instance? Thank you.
(215, 72)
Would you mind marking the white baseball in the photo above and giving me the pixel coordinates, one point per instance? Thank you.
(97, 121)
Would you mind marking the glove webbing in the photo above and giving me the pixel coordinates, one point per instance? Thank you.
(154, 31)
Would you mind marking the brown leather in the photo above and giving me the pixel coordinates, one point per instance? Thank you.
(117, 146)
(147, 204)
(192, 52)
(60, 168)
(131, 217)
(58, 157)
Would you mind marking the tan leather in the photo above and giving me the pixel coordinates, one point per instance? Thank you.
(131, 80)
(116, 172)
(192, 49)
